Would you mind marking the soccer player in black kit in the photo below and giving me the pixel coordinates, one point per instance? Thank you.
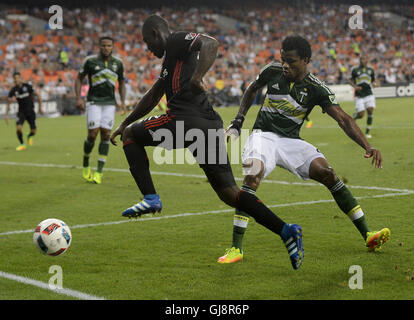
(23, 92)
(187, 58)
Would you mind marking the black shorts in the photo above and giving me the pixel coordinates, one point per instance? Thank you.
(202, 137)
(29, 116)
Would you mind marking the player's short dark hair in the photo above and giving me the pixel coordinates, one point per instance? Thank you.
(298, 43)
(106, 38)
(16, 73)
(155, 20)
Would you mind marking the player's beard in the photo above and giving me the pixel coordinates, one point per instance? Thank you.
(106, 55)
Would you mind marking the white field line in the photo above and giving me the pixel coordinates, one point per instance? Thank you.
(316, 126)
(44, 285)
(200, 176)
(188, 214)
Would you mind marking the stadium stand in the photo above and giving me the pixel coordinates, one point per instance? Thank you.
(250, 37)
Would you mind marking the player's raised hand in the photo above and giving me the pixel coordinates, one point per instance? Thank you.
(375, 154)
(234, 128)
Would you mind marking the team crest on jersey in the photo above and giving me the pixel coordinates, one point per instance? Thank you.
(24, 89)
(190, 36)
(332, 98)
(97, 68)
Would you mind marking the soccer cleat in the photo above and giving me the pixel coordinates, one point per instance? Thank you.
(293, 239)
(309, 124)
(87, 174)
(376, 239)
(21, 147)
(30, 140)
(97, 177)
(150, 204)
(232, 255)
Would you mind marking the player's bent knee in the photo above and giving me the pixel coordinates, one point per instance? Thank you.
(229, 195)
(328, 176)
(253, 168)
(127, 134)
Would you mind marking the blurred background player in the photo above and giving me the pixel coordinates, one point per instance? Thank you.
(362, 79)
(103, 71)
(292, 93)
(24, 94)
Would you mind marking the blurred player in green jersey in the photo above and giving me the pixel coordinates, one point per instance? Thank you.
(103, 71)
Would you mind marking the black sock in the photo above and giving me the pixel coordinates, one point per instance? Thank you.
(250, 204)
(139, 167)
(31, 134)
(20, 136)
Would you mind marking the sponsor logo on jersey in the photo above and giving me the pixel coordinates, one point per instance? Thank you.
(332, 98)
(190, 36)
(276, 86)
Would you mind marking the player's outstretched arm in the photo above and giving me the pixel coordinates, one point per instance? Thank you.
(207, 46)
(78, 88)
(148, 102)
(349, 126)
(246, 102)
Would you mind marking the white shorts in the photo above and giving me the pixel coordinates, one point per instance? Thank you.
(100, 116)
(361, 104)
(273, 150)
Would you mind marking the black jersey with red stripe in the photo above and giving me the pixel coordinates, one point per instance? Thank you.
(178, 67)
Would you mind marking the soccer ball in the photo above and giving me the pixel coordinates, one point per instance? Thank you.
(52, 237)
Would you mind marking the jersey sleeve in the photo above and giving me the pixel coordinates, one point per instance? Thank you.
(121, 71)
(180, 43)
(326, 98)
(30, 88)
(268, 72)
(353, 74)
(11, 92)
(83, 71)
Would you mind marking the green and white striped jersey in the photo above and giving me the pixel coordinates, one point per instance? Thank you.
(102, 77)
(287, 104)
(363, 77)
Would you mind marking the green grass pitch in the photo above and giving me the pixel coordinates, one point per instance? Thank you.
(173, 255)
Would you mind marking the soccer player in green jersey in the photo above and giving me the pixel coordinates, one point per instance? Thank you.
(103, 71)
(362, 79)
(292, 92)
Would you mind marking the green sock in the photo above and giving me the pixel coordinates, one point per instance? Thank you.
(349, 205)
(241, 220)
(87, 149)
(103, 153)
(369, 123)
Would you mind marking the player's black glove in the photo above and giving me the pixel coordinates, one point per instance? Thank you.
(235, 127)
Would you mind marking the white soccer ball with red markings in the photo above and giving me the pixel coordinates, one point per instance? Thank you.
(52, 237)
